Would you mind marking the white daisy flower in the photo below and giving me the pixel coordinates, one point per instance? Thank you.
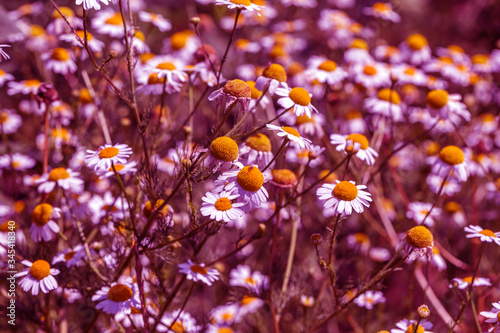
(94, 44)
(418, 210)
(198, 272)
(106, 155)
(59, 61)
(451, 159)
(106, 205)
(250, 304)
(291, 134)
(365, 153)
(219, 206)
(156, 86)
(387, 103)
(372, 75)
(493, 315)
(39, 276)
(406, 325)
(389, 53)
(65, 178)
(415, 49)
(43, 224)
(256, 150)
(306, 301)
(247, 182)
(224, 152)
(155, 19)
(234, 91)
(17, 162)
(447, 106)
(170, 163)
(108, 22)
(88, 4)
(122, 169)
(72, 257)
(58, 24)
(358, 53)
(183, 322)
(182, 45)
(297, 99)
(409, 74)
(324, 70)
(485, 235)
(242, 276)
(166, 67)
(450, 188)
(273, 77)
(418, 242)
(382, 10)
(464, 283)
(344, 197)
(121, 296)
(226, 315)
(9, 121)
(25, 87)
(369, 298)
(240, 4)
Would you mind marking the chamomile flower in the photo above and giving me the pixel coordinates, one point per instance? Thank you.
(273, 77)
(58, 24)
(94, 44)
(105, 156)
(167, 67)
(418, 242)
(226, 315)
(155, 19)
(447, 106)
(122, 169)
(450, 187)
(369, 298)
(183, 322)
(100, 207)
(365, 153)
(292, 135)
(156, 85)
(88, 4)
(65, 178)
(344, 197)
(198, 272)
(382, 10)
(451, 159)
(25, 87)
(415, 49)
(455, 210)
(220, 206)
(42, 222)
(224, 151)
(10, 121)
(234, 91)
(248, 183)
(387, 103)
(405, 326)
(170, 163)
(182, 45)
(324, 70)
(17, 162)
(418, 210)
(297, 99)
(240, 4)
(108, 22)
(256, 150)
(493, 315)
(5, 77)
(485, 235)
(389, 53)
(306, 301)
(120, 297)
(265, 101)
(242, 276)
(372, 75)
(358, 53)
(39, 276)
(71, 256)
(463, 283)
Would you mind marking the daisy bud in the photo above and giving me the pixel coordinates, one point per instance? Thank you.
(47, 94)
(195, 20)
(113, 54)
(423, 311)
(316, 239)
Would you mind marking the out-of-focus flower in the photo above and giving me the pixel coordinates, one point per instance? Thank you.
(415, 49)
(65, 178)
(387, 103)
(43, 224)
(4, 54)
(306, 301)
(447, 106)
(418, 210)
(183, 322)
(242, 276)
(406, 325)
(108, 22)
(463, 283)
(324, 70)
(451, 159)
(88, 4)
(369, 299)
(240, 5)
(39, 276)
(493, 315)
(291, 134)
(485, 235)
(155, 19)
(273, 77)
(71, 256)
(198, 272)
(121, 296)
(121, 169)
(382, 10)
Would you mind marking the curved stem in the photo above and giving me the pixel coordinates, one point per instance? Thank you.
(238, 12)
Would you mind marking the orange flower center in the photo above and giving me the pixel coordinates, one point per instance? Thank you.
(451, 155)
(116, 19)
(369, 70)
(389, 95)
(437, 98)
(345, 191)
(328, 66)
(81, 34)
(224, 149)
(108, 152)
(199, 269)
(259, 142)
(276, 72)
(416, 41)
(420, 237)
(256, 93)
(119, 293)
(40, 269)
(242, 2)
(223, 204)
(69, 255)
(284, 177)
(250, 178)
(488, 233)
(359, 44)
(166, 65)
(359, 138)
(57, 174)
(179, 39)
(300, 96)
(41, 214)
(291, 131)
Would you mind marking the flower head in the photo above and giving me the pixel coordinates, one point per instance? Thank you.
(221, 206)
(198, 272)
(485, 235)
(418, 242)
(365, 153)
(120, 297)
(292, 135)
(39, 276)
(107, 155)
(344, 197)
(43, 224)
(234, 91)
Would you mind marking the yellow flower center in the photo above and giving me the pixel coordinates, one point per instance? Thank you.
(40, 269)
(284, 177)
(382, 7)
(479, 59)
(68, 12)
(453, 207)
(108, 152)
(250, 280)
(446, 60)
(247, 300)
(5, 227)
(345, 191)
(166, 65)
(225, 330)
(359, 138)
(296, 68)
(276, 72)
(81, 34)
(328, 66)
(238, 88)
(361, 238)
(259, 142)
(300, 96)
(451, 155)
(416, 41)
(256, 93)
(134, 310)
(154, 79)
(85, 97)
(389, 95)
(359, 44)
(31, 83)
(119, 293)
(437, 98)
(303, 120)
(488, 233)
(118, 167)
(487, 118)
(353, 114)
(250, 178)
(146, 56)
(41, 214)
(60, 54)
(69, 255)
(57, 174)
(242, 2)
(177, 327)
(110, 208)
(199, 270)
(223, 204)
(36, 31)
(148, 208)
(227, 316)
(139, 35)
(331, 177)
(435, 250)
(455, 48)
(116, 19)
(420, 237)
(411, 329)
(277, 51)
(410, 71)
(4, 117)
(291, 131)
(369, 70)
(224, 149)
(179, 39)
(2, 73)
